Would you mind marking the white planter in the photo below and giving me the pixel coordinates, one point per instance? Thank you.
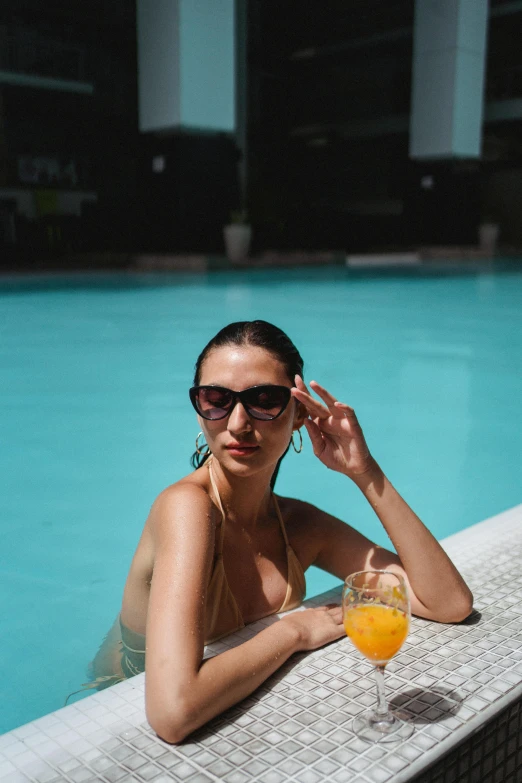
(238, 237)
(488, 236)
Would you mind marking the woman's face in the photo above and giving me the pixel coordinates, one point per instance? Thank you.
(241, 443)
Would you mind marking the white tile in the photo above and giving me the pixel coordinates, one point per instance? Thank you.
(34, 740)
(14, 749)
(25, 731)
(68, 738)
(40, 771)
(47, 748)
(76, 719)
(79, 747)
(88, 728)
(23, 759)
(56, 729)
(42, 723)
(7, 739)
(378, 774)
(423, 741)
(96, 711)
(99, 736)
(15, 777)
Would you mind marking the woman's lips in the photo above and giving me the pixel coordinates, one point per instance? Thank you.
(241, 449)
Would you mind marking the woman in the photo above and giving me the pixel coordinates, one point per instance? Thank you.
(219, 549)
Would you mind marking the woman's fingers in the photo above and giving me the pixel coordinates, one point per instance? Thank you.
(335, 611)
(349, 413)
(334, 405)
(346, 410)
(314, 408)
(300, 384)
(315, 436)
(323, 393)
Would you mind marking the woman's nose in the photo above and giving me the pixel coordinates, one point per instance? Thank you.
(239, 420)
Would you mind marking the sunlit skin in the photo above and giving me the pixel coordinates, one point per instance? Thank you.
(166, 587)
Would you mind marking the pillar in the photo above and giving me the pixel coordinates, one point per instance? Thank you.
(449, 50)
(186, 65)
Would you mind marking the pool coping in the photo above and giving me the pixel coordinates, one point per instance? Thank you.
(439, 259)
(295, 726)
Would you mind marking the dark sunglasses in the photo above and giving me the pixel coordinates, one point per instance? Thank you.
(261, 402)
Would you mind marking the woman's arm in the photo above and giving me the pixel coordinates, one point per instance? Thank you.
(437, 590)
(182, 692)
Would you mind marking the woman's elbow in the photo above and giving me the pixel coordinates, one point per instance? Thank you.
(172, 725)
(459, 610)
(169, 731)
(454, 609)
(465, 607)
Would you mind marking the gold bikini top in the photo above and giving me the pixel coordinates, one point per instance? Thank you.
(222, 615)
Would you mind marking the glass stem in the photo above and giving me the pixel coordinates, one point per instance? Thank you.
(382, 707)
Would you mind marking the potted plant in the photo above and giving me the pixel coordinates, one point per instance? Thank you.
(238, 236)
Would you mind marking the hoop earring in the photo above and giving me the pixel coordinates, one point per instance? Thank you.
(299, 450)
(204, 449)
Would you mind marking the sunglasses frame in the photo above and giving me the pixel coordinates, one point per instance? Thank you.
(238, 396)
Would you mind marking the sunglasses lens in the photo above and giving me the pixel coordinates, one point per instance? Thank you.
(266, 402)
(213, 402)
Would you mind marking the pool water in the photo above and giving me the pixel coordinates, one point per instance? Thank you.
(95, 421)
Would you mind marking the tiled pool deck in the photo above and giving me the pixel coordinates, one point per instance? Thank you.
(462, 685)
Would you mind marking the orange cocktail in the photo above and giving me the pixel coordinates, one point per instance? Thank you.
(377, 631)
(376, 616)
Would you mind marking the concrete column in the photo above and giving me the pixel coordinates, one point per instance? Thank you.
(242, 94)
(186, 65)
(449, 50)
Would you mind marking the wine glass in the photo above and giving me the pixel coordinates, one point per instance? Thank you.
(376, 616)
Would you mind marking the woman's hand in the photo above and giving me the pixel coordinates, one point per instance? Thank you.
(317, 627)
(336, 435)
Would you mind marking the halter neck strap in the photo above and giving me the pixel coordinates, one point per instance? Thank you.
(280, 518)
(219, 548)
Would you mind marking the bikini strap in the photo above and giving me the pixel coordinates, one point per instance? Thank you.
(280, 518)
(219, 548)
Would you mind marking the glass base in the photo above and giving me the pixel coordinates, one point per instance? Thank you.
(394, 726)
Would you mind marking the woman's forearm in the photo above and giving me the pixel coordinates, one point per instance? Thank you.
(435, 580)
(221, 682)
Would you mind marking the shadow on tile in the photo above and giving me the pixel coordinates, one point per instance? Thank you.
(474, 618)
(428, 705)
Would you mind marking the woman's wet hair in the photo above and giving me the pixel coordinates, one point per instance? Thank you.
(259, 334)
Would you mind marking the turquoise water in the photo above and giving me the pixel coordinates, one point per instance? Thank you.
(95, 421)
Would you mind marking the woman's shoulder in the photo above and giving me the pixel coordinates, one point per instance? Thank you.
(185, 500)
(196, 484)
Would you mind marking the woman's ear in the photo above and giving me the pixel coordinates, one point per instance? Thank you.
(300, 415)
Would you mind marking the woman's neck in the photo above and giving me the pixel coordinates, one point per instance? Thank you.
(246, 500)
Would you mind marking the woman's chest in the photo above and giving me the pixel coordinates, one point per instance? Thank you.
(256, 569)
